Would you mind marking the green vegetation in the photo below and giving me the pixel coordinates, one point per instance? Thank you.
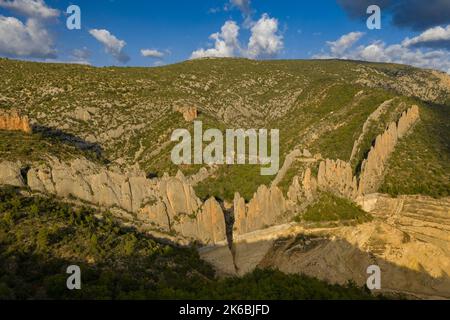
(420, 163)
(130, 112)
(36, 147)
(41, 237)
(329, 207)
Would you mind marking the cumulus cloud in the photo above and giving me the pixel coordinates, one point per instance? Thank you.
(345, 42)
(226, 43)
(29, 39)
(437, 37)
(30, 8)
(265, 41)
(26, 40)
(152, 53)
(415, 14)
(112, 45)
(379, 51)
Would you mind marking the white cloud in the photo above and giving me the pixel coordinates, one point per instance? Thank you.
(152, 53)
(265, 40)
(434, 37)
(31, 40)
(345, 42)
(30, 8)
(112, 45)
(226, 43)
(379, 51)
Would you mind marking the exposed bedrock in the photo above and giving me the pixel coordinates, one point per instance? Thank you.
(372, 170)
(171, 204)
(408, 239)
(11, 120)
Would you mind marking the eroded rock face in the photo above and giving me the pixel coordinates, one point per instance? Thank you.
(208, 226)
(86, 181)
(337, 177)
(302, 188)
(263, 210)
(373, 167)
(13, 121)
(408, 239)
(10, 174)
(189, 113)
(169, 203)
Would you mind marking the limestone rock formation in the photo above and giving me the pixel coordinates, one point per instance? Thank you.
(189, 113)
(337, 177)
(169, 203)
(266, 206)
(373, 167)
(13, 121)
(408, 239)
(10, 174)
(302, 188)
(372, 118)
(208, 227)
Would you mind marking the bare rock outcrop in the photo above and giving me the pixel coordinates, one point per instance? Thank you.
(10, 174)
(189, 113)
(337, 177)
(266, 206)
(408, 239)
(208, 226)
(169, 203)
(303, 187)
(372, 118)
(12, 121)
(373, 167)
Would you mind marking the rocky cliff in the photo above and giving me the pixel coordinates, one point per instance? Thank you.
(189, 113)
(408, 239)
(169, 203)
(264, 209)
(374, 166)
(335, 176)
(172, 205)
(11, 120)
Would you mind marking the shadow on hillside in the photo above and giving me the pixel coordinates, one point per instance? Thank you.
(335, 261)
(69, 139)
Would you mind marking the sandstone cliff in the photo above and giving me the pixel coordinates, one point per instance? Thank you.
(189, 113)
(12, 121)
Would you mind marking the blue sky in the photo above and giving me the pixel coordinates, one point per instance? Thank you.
(113, 32)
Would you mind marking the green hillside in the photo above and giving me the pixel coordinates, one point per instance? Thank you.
(128, 114)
